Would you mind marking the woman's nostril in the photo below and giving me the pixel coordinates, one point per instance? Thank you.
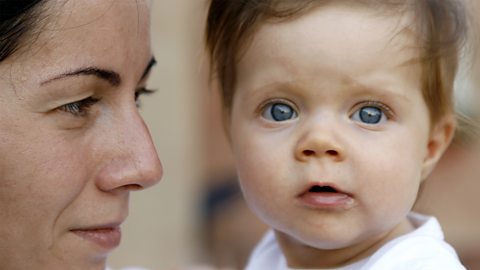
(133, 187)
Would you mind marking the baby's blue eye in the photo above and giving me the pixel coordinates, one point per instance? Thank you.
(369, 115)
(279, 112)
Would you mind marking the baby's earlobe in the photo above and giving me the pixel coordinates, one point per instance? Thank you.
(440, 138)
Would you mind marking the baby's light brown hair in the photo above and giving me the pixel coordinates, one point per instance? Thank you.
(440, 28)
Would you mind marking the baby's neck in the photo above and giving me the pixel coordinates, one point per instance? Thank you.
(299, 255)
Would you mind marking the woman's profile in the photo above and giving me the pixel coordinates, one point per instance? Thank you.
(73, 144)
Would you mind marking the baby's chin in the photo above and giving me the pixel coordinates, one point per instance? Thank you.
(314, 239)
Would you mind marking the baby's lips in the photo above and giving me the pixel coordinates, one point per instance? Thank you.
(326, 200)
(323, 187)
(326, 196)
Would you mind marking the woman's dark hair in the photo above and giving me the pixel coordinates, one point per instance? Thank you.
(16, 21)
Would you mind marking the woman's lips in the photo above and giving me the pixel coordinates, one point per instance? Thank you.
(106, 237)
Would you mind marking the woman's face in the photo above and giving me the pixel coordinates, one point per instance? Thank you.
(72, 142)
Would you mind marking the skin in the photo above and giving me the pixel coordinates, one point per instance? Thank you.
(61, 168)
(302, 63)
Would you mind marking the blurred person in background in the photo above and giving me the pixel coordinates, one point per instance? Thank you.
(73, 144)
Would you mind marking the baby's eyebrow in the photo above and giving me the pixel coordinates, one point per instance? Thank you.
(384, 92)
(363, 88)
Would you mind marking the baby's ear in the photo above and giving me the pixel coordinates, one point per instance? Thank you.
(440, 138)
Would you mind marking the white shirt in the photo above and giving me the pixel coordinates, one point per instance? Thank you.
(424, 248)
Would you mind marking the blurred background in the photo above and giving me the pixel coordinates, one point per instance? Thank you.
(196, 215)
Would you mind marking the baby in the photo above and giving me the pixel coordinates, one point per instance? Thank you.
(336, 112)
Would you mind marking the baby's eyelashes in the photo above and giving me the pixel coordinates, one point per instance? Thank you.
(367, 113)
(372, 113)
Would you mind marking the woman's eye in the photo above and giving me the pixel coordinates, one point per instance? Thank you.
(79, 108)
(279, 112)
(370, 115)
(140, 92)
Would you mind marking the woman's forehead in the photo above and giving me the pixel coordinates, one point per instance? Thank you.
(84, 33)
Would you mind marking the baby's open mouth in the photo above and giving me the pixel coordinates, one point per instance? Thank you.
(328, 189)
(326, 196)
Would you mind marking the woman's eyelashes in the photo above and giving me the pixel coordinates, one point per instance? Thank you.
(142, 91)
(82, 107)
(278, 112)
(79, 108)
(372, 113)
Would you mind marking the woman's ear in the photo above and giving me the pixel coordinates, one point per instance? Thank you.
(440, 138)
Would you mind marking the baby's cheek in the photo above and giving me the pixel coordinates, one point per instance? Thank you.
(389, 188)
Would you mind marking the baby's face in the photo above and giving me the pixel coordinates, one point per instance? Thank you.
(329, 128)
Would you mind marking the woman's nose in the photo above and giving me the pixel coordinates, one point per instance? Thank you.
(132, 161)
(319, 140)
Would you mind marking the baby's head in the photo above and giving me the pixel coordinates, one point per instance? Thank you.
(437, 25)
(336, 112)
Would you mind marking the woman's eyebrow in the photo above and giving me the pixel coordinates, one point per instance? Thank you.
(112, 77)
(152, 63)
